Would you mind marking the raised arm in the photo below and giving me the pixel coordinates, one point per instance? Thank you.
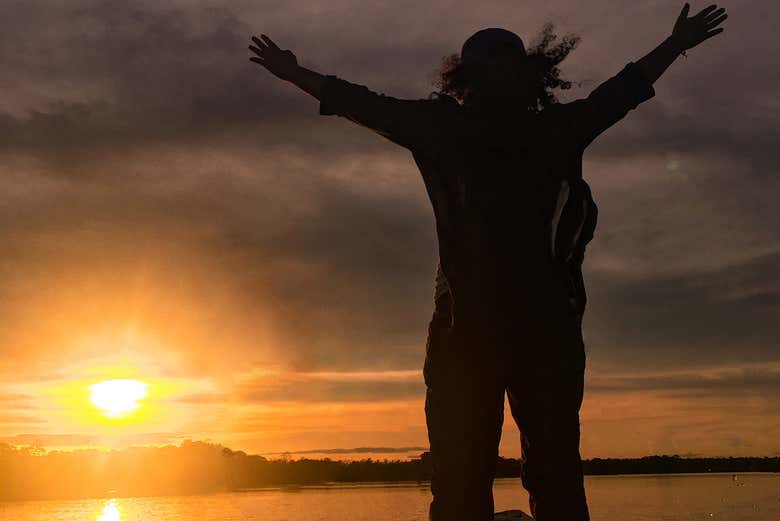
(283, 64)
(687, 33)
(613, 99)
(408, 123)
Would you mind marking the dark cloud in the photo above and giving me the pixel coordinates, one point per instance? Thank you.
(163, 75)
(712, 316)
(753, 381)
(149, 74)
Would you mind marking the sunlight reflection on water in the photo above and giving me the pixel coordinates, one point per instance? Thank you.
(110, 512)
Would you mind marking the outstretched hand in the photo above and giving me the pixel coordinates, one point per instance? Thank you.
(280, 62)
(690, 32)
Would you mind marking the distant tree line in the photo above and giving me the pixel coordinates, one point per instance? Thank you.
(678, 465)
(200, 467)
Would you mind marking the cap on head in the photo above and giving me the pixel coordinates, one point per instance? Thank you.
(487, 42)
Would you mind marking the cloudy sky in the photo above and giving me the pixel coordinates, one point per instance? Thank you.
(170, 212)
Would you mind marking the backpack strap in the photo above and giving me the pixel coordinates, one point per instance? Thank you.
(572, 227)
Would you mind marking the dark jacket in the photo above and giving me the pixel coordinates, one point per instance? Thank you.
(513, 213)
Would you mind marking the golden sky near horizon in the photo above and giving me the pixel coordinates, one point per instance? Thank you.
(172, 215)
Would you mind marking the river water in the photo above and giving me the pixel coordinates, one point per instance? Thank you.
(686, 497)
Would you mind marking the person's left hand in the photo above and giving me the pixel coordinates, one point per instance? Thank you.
(280, 62)
(690, 32)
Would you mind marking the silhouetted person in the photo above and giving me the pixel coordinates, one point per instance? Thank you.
(502, 164)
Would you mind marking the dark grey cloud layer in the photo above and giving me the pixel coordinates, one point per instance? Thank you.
(130, 127)
(733, 383)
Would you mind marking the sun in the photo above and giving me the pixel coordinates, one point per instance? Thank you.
(117, 398)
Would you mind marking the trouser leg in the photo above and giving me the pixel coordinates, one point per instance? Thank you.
(464, 412)
(545, 395)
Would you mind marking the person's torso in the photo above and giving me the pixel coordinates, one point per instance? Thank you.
(512, 211)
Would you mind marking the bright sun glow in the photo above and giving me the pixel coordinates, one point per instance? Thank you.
(110, 510)
(117, 398)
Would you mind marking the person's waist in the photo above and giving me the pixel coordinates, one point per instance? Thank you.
(527, 294)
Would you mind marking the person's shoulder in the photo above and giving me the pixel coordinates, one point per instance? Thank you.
(562, 115)
(442, 101)
(560, 108)
(444, 109)
(558, 122)
(443, 98)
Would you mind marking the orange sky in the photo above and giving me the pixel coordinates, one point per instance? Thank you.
(169, 213)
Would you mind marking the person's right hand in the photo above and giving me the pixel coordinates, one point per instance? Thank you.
(280, 62)
(690, 32)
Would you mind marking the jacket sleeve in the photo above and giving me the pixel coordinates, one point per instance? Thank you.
(607, 104)
(408, 123)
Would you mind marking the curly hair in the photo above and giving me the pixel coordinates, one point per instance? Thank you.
(455, 79)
